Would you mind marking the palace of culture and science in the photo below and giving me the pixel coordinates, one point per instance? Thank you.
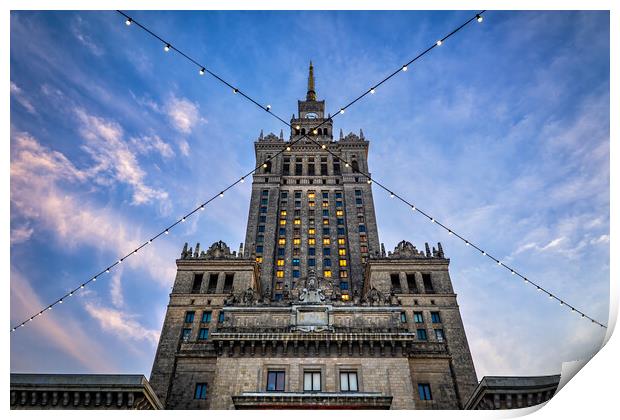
(311, 311)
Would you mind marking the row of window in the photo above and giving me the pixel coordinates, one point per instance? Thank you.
(213, 282)
(412, 287)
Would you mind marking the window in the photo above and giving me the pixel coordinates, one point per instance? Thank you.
(296, 252)
(339, 213)
(187, 332)
(342, 251)
(280, 263)
(325, 204)
(327, 273)
(340, 231)
(327, 251)
(325, 213)
(297, 204)
(311, 231)
(435, 318)
(283, 213)
(280, 252)
(325, 231)
(338, 203)
(340, 221)
(282, 222)
(262, 219)
(312, 381)
(259, 249)
(212, 283)
(201, 392)
(261, 228)
(264, 201)
(344, 274)
(348, 382)
(278, 297)
(428, 283)
(326, 241)
(362, 228)
(297, 222)
(295, 261)
(311, 241)
(355, 166)
(220, 317)
(206, 316)
(311, 195)
(203, 334)
(228, 282)
(260, 238)
(341, 241)
(279, 285)
(297, 194)
(197, 282)
(358, 201)
(284, 194)
(395, 279)
(189, 317)
(439, 335)
(275, 380)
(311, 251)
(326, 221)
(425, 392)
(327, 262)
(282, 241)
(344, 285)
(417, 317)
(411, 285)
(422, 334)
(296, 273)
(363, 249)
(311, 262)
(296, 241)
(280, 274)
(342, 263)
(282, 231)
(311, 203)
(403, 317)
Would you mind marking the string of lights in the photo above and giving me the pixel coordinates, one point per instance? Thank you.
(267, 108)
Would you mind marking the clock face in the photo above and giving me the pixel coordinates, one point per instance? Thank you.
(311, 115)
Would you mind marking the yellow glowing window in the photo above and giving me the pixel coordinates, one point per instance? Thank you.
(341, 241)
(327, 273)
(326, 241)
(344, 274)
(281, 241)
(283, 213)
(325, 204)
(259, 259)
(296, 241)
(311, 241)
(343, 263)
(326, 221)
(282, 222)
(280, 273)
(280, 263)
(311, 231)
(342, 251)
(297, 222)
(311, 196)
(339, 213)
(311, 203)
(345, 298)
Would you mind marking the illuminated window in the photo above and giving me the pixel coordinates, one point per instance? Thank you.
(344, 274)
(282, 222)
(311, 195)
(295, 261)
(311, 203)
(341, 241)
(311, 241)
(327, 273)
(342, 251)
(282, 241)
(343, 263)
(295, 252)
(325, 203)
(259, 259)
(311, 231)
(296, 241)
(345, 297)
(326, 241)
(326, 221)
(280, 273)
(339, 213)
(279, 285)
(297, 222)
(283, 213)
(280, 263)
(363, 249)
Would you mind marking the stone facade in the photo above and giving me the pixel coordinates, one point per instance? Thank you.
(312, 311)
(508, 392)
(82, 392)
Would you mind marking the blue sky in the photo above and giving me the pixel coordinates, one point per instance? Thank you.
(502, 134)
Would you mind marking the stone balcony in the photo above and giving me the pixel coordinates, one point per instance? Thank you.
(312, 400)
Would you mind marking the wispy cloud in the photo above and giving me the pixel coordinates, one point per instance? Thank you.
(21, 234)
(153, 143)
(121, 324)
(21, 98)
(78, 30)
(183, 113)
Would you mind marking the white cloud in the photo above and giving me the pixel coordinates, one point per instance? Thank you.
(148, 144)
(121, 324)
(184, 147)
(183, 114)
(116, 291)
(113, 157)
(21, 98)
(78, 32)
(21, 234)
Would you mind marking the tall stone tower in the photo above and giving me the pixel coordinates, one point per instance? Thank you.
(308, 211)
(312, 312)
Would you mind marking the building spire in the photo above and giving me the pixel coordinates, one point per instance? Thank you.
(311, 95)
